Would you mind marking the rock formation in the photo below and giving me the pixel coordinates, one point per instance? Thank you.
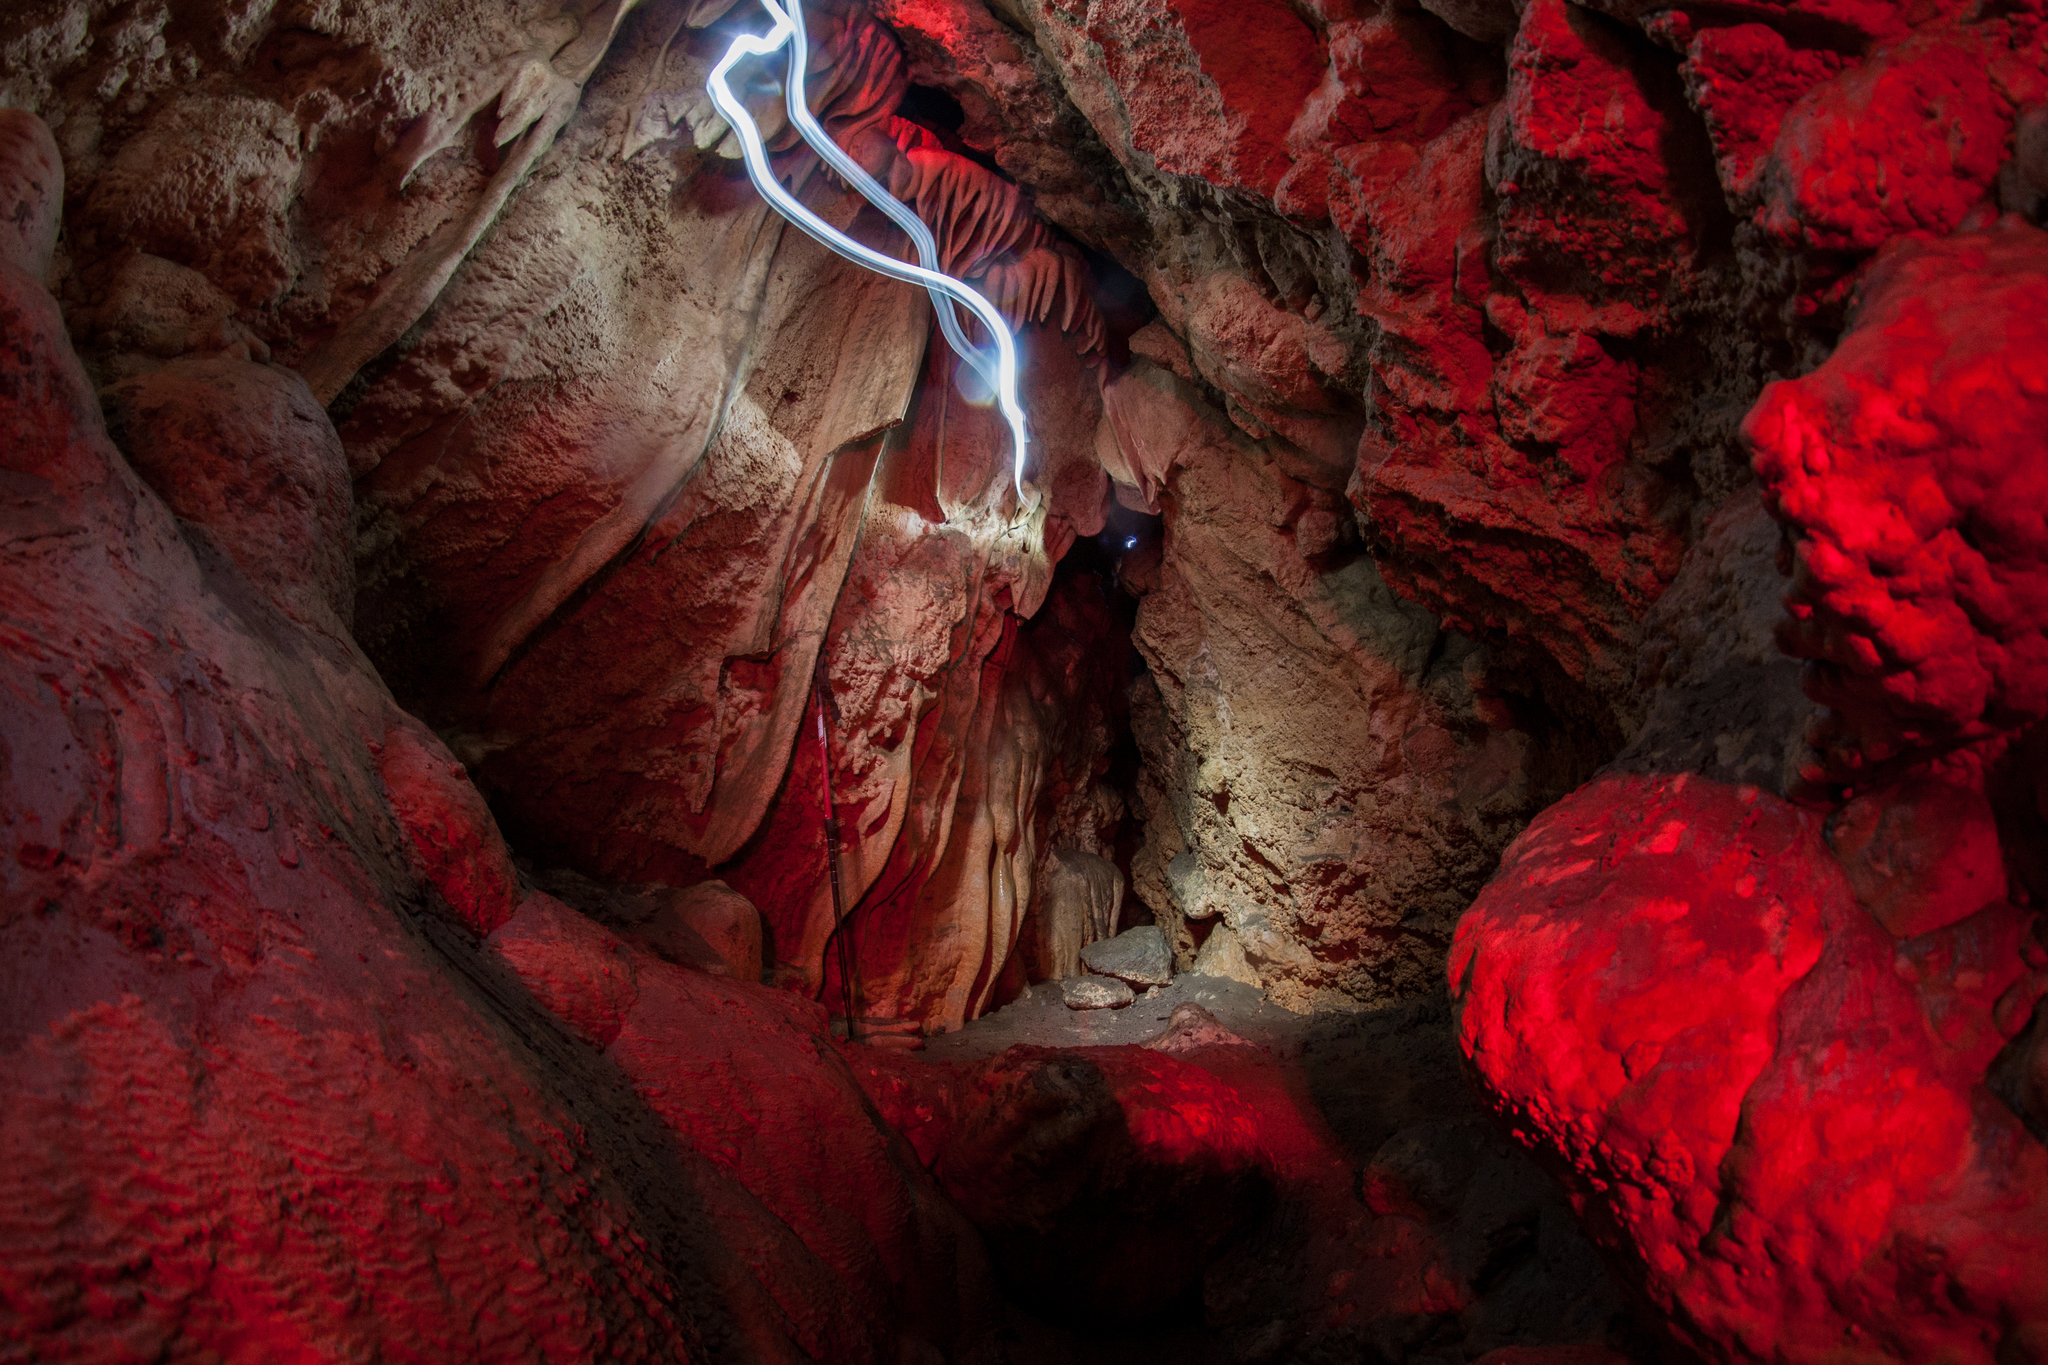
(1548, 494)
(267, 1094)
(1832, 1132)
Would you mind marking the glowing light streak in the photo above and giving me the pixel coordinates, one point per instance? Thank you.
(788, 28)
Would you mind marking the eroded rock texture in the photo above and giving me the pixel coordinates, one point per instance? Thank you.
(1320, 784)
(1830, 1135)
(619, 436)
(267, 1095)
(683, 536)
(1508, 278)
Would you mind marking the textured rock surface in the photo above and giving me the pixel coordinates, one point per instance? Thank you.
(1908, 471)
(1079, 895)
(1222, 955)
(614, 436)
(1095, 993)
(1738, 1139)
(1318, 772)
(1854, 972)
(1481, 290)
(1139, 956)
(266, 1097)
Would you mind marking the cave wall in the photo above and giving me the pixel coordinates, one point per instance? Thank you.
(622, 449)
(280, 1033)
(1494, 287)
(1478, 329)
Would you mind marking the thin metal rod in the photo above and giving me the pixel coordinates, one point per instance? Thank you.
(847, 989)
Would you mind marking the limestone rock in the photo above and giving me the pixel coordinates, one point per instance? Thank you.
(1222, 955)
(1095, 993)
(1932, 635)
(1715, 1093)
(1078, 898)
(583, 975)
(1723, 700)
(243, 451)
(1317, 770)
(1191, 1027)
(708, 925)
(1920, 854)
(1139, 956)
(32, 174)
(198, 819)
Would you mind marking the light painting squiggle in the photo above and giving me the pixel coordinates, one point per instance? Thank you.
(1001, 372)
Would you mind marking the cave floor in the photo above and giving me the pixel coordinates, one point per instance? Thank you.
(1383, 1148)
(1040, 1017)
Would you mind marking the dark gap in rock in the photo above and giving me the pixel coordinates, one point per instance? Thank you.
(930, 107)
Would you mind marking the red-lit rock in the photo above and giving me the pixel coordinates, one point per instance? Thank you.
(1908, 140)
(245, 452)
(1795, 1148)
(1920, 854)
(1908, 469)
(259, 1105)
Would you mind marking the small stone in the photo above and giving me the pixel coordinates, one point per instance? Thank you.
(1095, 993)
(1139, 956)
(1192, 1027)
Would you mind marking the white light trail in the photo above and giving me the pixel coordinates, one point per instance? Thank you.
(788, 28)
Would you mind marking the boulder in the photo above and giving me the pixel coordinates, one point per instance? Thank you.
(1222, 955)
(1139, 956)
(1746, 1129)
(1079, 895)
(709, 926)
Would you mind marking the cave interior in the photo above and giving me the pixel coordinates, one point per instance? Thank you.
(1462, 777)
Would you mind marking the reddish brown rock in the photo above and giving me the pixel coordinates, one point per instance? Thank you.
(243, 451)
(260, 1103)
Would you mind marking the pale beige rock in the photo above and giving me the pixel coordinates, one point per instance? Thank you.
(1079, 894)
(31, 192)
(1095, 993)
(1222, 954)
(1316, 771)
(1139, 956)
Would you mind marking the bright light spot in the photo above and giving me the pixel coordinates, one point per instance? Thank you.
(1130, 542)
(788, 30)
